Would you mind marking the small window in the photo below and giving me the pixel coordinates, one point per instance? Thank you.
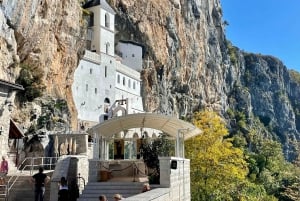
(95, 90)
(132, 55)
(105, 71)
(134, 85)
(91, 20)
(91, 71)
(81, 66)
(129, 83)
(123, 81)
(87, 87)
(107, 20)
(107, 47)
(118, 79)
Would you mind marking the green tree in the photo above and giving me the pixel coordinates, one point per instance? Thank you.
(217, 168)
(31, 79)
(151, 150)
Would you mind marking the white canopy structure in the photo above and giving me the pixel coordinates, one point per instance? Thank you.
(166, 124)
(174, 127)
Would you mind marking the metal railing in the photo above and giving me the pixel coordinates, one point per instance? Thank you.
(4, 192)
(33, 163)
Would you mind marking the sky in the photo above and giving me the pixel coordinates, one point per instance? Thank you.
(268, 27)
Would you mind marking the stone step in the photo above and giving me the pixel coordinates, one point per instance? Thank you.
(23, 189)
(94, 189)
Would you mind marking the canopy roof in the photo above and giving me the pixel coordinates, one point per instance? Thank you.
(166, 124)
(14, 131)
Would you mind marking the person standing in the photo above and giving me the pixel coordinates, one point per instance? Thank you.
(63, 193)
(146, 187)
(3, 170)
(39, 179)
(102, 198)
(3, 167)
(118, 197)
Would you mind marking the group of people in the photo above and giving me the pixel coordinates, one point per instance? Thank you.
(117, 197)
(40, 179)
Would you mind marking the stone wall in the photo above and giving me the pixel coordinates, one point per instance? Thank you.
(63, 169)
(178, 180)
(174, 183)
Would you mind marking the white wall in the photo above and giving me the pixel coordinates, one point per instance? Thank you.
(102, 35)
(178, 180)
(131, 54)
(95, 43)
(130, 89)
(91, 86)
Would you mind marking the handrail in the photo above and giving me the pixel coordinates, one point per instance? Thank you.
(12, 180)
(5, 192)
(32, 163)
(135, 170)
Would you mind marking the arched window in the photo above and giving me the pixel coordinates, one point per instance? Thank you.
(106, 100)
(107, 20)
(105, 71)
(106, 105)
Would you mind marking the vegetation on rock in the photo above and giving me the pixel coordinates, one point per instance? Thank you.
(31, 79)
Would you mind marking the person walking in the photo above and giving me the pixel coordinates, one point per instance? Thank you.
(3, 167)
(3, 170)
(39, 179)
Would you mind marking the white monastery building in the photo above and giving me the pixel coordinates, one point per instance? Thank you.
(105, 84)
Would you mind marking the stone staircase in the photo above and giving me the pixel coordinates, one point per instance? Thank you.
(23, 189)
(93, 190)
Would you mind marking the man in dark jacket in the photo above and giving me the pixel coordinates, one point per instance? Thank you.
(39, 179)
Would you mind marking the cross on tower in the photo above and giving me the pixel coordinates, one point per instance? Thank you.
(148, 62)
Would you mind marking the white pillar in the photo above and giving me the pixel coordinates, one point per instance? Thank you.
(96, 146)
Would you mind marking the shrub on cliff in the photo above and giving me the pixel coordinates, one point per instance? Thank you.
(31, 79)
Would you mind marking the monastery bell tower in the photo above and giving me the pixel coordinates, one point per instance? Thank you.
(101, 27)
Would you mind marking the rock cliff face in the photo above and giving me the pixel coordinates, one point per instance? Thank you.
(185, 41)
(191, 67)
(45, 35)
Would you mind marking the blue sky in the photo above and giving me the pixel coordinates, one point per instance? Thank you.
(269, 27)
